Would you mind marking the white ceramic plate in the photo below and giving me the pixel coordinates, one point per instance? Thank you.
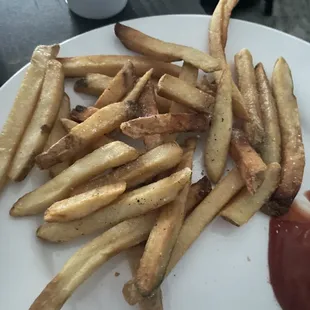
(227, 267)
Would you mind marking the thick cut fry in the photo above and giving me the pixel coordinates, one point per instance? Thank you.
(270, 149)
(189, 73)
(219, 19)
(219, 134)
(67, 124)
(92, 84)
(163, 104)
(121, 84)
(249, 163)
(80, 113)
(254, 129)
(41, 123)
(177, 90)
(84, 204)
(131, 204)
(165, 124)
(242, 207)
(293, 153)
(110, 64)
(165, 51)
(109, 156)
(103, 121)
(24, 104)
(144, 168)
(160, 243)
(57, 133)
(153, 302)
(90, 257)
(204, 85)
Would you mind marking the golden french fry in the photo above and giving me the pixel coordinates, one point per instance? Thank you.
(92, 84)
(90, 257)
(24, 104)
(165, 124)
(40, 125)
(67, 125)
(165, 51)
(253, 128)
(270, 149)
(219, 134)
(293, 153)
(163, 104)
(249, 163)
(177, 90)
(241, 208)
(121, 84)
(160, 243)
(57, 133)
(79, 206)
(111, 155)
(110, 64)
(80, 113)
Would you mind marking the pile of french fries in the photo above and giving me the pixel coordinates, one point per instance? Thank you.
(142, 201)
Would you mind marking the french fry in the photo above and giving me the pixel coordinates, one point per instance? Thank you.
(90, 257)
(103, 121)
(219, 134)
(25, 101)
(120, 85)
(177, 90)
(153, 302)
(41, 123)
(249, 163)
(160, 243)
(165, 124)
(270, 149)
(92, 84)
(79, 206)
(110, 64)
(217, 34)
(57, 133)
(131, 204)
(207, 87)
(293, 153)
(241, 208)
(109, 156)
(80, 113)
(144, 168)
(163, 104)
(141, 43)
(254, 129)
(67, 124)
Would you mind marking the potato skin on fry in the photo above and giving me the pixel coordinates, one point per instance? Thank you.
(80, 113)
(92, 84)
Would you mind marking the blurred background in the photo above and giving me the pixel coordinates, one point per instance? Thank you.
(25, 24)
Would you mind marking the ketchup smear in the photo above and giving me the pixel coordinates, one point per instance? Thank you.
(289, 257)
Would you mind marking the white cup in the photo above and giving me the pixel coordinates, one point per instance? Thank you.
(96, 9)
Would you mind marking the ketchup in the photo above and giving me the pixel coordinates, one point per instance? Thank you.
(289, 258)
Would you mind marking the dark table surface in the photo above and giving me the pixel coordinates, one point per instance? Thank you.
(27, 23)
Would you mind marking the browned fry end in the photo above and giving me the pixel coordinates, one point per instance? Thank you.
(80, 113)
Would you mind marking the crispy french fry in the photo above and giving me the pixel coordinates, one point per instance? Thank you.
(160, 243)
(103, 121)
(92, 84)
(293, 153)
(81, 205)
(144, 168)
(270, 149)
(165, 51)
(131, 204)
(153, 302)
(110, 64)
(254, 129)
(109, 156)
(67, 124)
(57, 133)
(241, 208)
(80, 113)
(90, 257)
(25, 101)
(40, 125)
(219, 134)
(217, 26)
(177, 90)
(249, 163)
(121, 84)
(165, 124)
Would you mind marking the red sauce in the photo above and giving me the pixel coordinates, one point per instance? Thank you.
(289, 258)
